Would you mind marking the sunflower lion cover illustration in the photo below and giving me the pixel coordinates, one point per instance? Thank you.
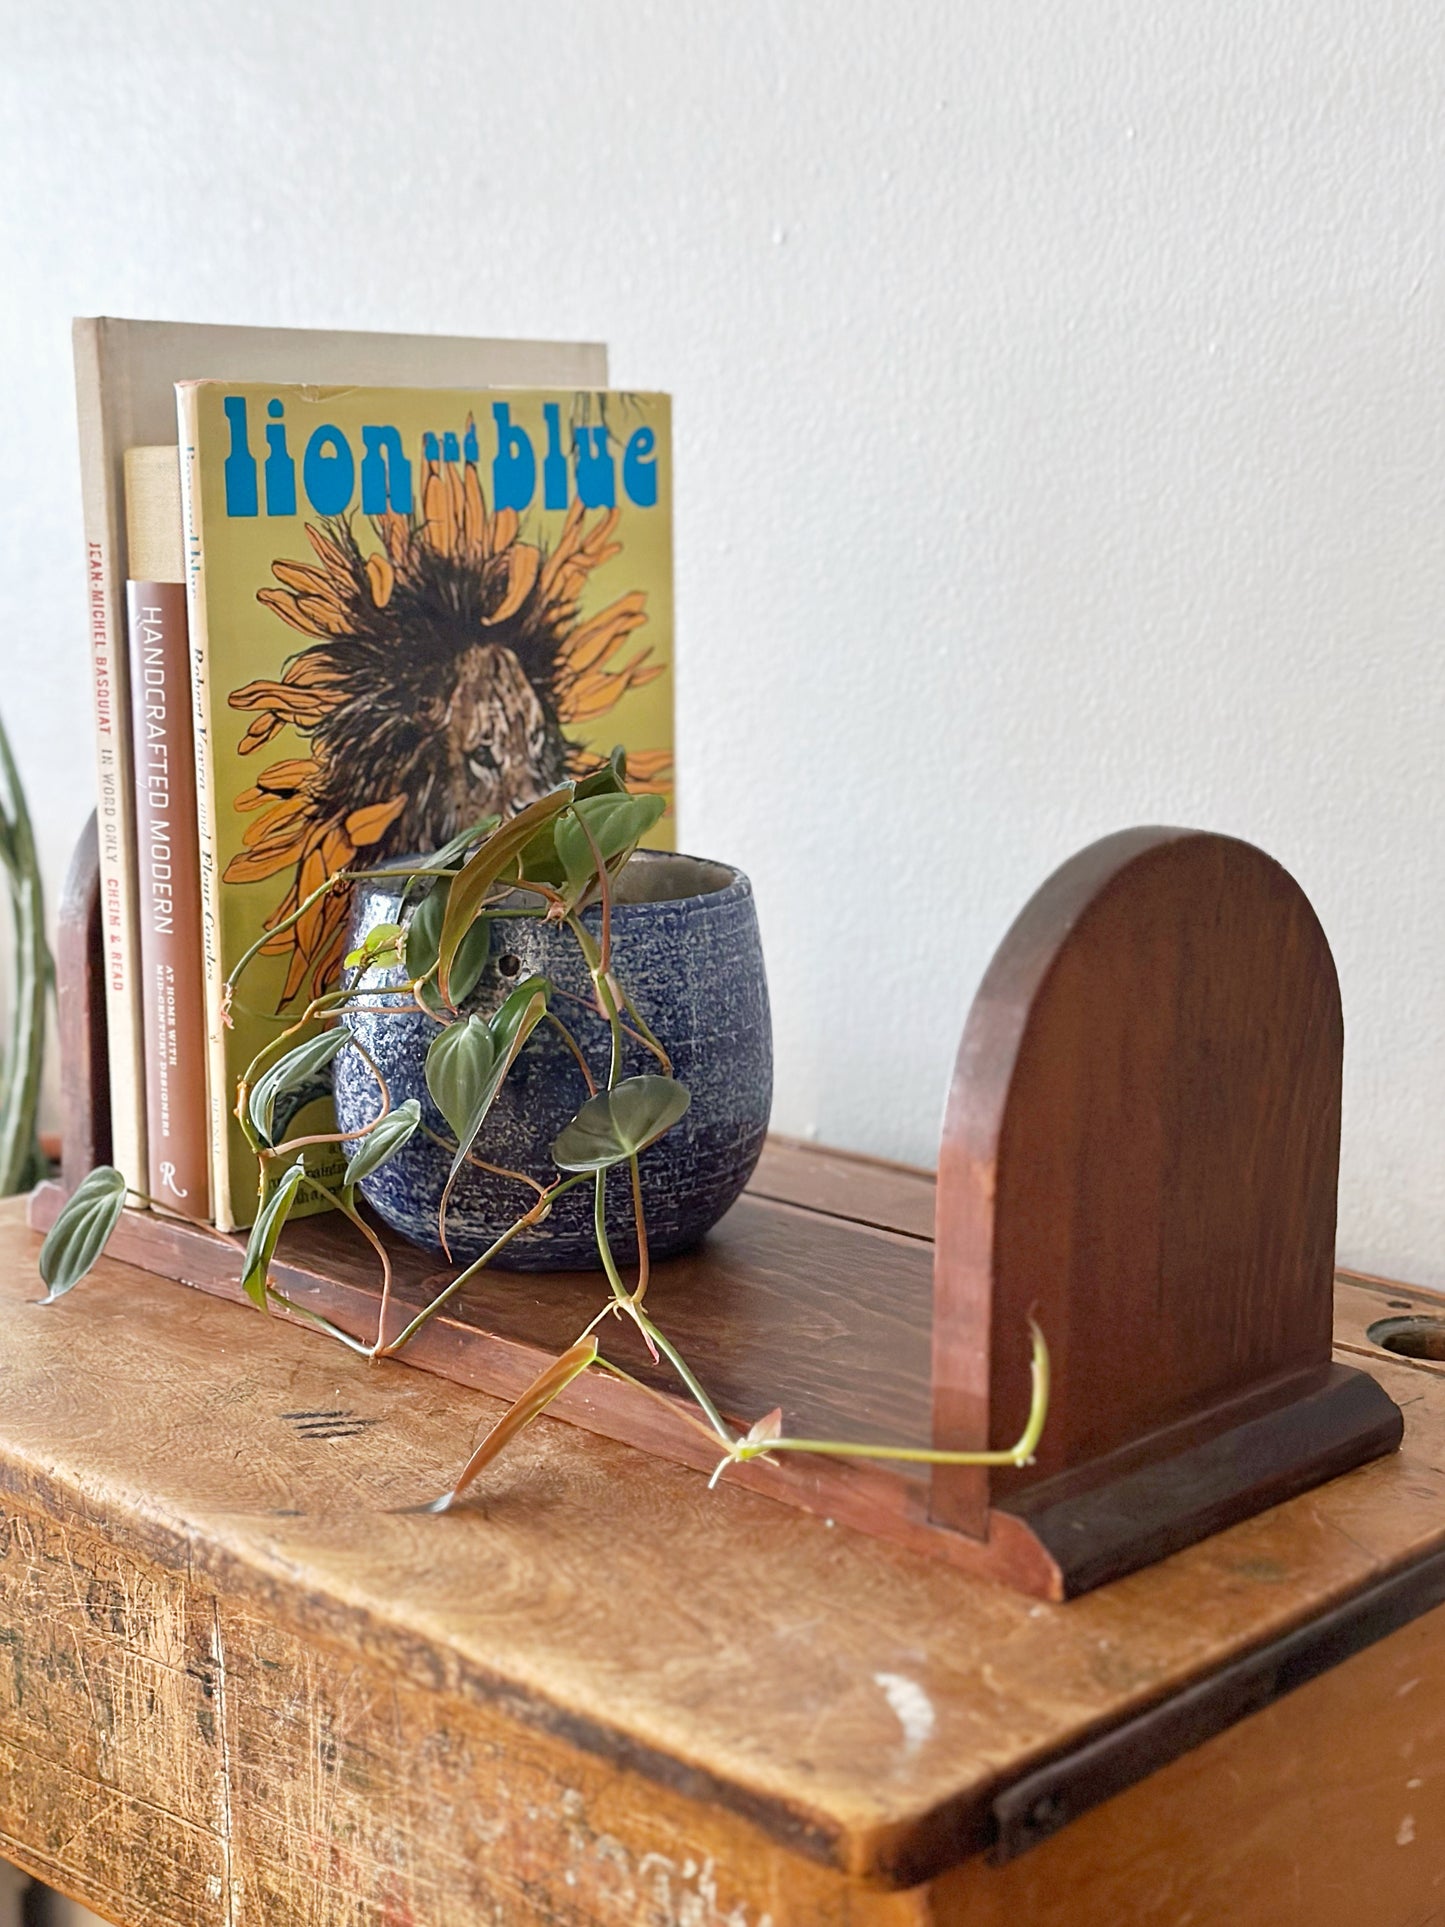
(409, 609)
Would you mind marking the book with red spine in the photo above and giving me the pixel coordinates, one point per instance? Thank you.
(168, 872)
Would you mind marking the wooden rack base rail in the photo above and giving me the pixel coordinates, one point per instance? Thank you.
(1140, 1150)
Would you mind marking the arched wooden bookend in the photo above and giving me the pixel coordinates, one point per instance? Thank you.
(1141, 1149)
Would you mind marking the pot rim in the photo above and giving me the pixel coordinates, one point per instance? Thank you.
(737, 888)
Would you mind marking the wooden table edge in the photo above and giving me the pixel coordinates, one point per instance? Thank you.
(1004, 1816)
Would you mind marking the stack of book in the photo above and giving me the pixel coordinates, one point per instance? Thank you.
(348, 594)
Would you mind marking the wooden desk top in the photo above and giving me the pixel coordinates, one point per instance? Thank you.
(859, 1703)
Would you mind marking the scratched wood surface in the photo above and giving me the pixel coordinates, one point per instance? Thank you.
(236, 1687)
(770, 1311)
(1325, 1810)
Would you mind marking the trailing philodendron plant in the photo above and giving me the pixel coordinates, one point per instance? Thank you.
(21, 1161)
(554, 860)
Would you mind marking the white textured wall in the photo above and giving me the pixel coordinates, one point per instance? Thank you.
(1061, 434)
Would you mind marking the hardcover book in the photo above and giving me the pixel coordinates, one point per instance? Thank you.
(409, 609)
(168, 882)
(125, 376)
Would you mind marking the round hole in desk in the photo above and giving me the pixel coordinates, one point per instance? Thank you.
(1415, 1337)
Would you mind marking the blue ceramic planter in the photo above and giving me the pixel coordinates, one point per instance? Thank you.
(685, 944)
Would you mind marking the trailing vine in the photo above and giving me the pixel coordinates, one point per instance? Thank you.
(554, 860)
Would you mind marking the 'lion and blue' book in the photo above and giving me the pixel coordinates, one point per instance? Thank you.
(409, 609)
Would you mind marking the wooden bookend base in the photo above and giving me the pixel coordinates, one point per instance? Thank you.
(1137, 1513)
(1140, 1150)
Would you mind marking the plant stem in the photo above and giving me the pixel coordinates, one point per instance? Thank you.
(534, 1216)
(656, 1339)
(502, 1171)
(644, 1262)
(664, 1399)
(644, 1033)
(492, 1170)
(627, 1029)
(604, 889)
(315, 1318)
(349, 1210)
(332, 883)
(683, 1369)
(602, 988)
(604, 1248)
(314, 1137)
(576, 1049)
(1018, 1454)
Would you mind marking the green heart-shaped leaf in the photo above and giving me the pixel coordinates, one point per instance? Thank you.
(617, 1124)
(610, 780)
(458, 1065)
(79, 1234)
(423, 939)
(514, 1020)
(383, 1141)
(480, 873)
(467, 1061)
(616, 824)
(266, 1233)
(451, 854)
(465, 1074)
(423, 932)
(470, 960)
(297, 1067)
(540, 860)
(378, 946)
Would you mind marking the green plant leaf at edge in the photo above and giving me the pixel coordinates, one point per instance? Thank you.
(617, 1124)
(469, 1072)
(458, 1062)
(266, 1234)
(423, 938)
(290, 1071)
(80, 1233)
(474, 881)
(383, 1141)
(378, 946)
(450, 855)
(617, 825)
(610, 780)
(508, 1029)
(540, 860)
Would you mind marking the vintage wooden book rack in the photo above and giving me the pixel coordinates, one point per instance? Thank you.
(1140, 1150)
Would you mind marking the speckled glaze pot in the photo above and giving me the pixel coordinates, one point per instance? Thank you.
(685, 943)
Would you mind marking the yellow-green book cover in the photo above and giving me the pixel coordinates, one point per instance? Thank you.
(409, 609)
